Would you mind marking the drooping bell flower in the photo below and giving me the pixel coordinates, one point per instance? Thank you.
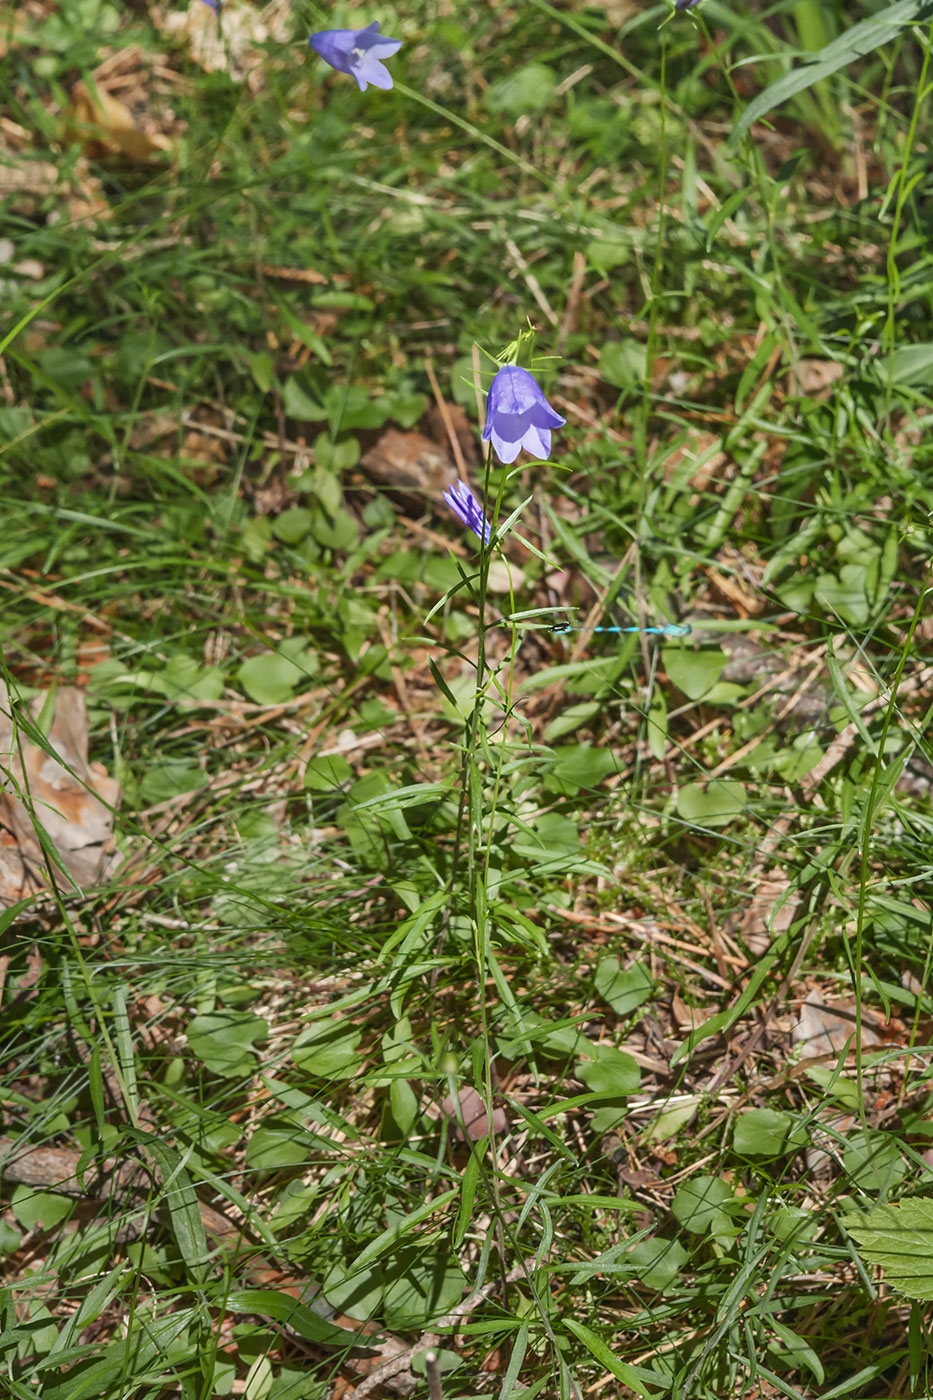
(519, 416)
(358, 52)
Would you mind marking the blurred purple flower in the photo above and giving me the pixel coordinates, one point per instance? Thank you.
(467, 509)
(212, 5)
(518, 415)
(685, 4)
(357, 52)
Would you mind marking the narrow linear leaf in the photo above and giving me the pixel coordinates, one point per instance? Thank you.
(396, 1233)
(637, 1378)
(861, 39)
(268, 1302)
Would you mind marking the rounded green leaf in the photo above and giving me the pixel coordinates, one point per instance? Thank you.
(528, 89)
(277, 1149)
(328, 1051)
(292, 525)
(694, 672)
(42, 1209)
(698, 1205)
(223, 1041)
(658, 1262)
(623, 990)
(328, 772)
(711, 804)
(762, 1132)
(611, 1072)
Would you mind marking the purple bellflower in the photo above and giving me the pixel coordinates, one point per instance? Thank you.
(358, 52)
(518, 415)
(467, 509)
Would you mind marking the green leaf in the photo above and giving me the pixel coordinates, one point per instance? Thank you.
(291, 1383)
(292, 525)
(637, 1378)
(397, 1232)
(461, 385)
(405, 1290)
(875, 1165)
(909, 365)
(184, 678)
(656, 724)
(267, 1302)
(343, 301)
(624, 991)
(604, 255)
(328, 772)
(39, 1209)
(305, 334)
(331, 460)
(697, 1205)
(65, 366)
(861, 39)
(169, 777)
(574, 717)
(277, 1149)
(694, 672)
(467, 1195)
(183, 1208)
(329, 1050)
(553, 837)
(273, 677)
(582, 766)
(350, 406)
(524, 1029)
(223, 1041)
(845, 594)
(261, 367)
(528, 89)
(671, 1119)
(712, 804)
(300, 402)
(403, 1102)
(335, 529)
(611, 1073)
(622, 363)
(763, 1132)
(414, 795)
(795, 1351)
(657, 1262)
(898, 1237)
(406, 409)
(10, 1239)
(123, 1044)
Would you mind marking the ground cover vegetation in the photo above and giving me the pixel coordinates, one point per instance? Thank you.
(378, 947)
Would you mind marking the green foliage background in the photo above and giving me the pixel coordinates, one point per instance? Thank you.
(291, 967)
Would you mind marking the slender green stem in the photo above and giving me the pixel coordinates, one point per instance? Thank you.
(904, 187)
(868, 817)
(641, 433)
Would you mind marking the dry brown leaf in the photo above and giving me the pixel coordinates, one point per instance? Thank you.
(105, 126)
(815, 378)
(71, 798)
(824, 1027)
(761, 924)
